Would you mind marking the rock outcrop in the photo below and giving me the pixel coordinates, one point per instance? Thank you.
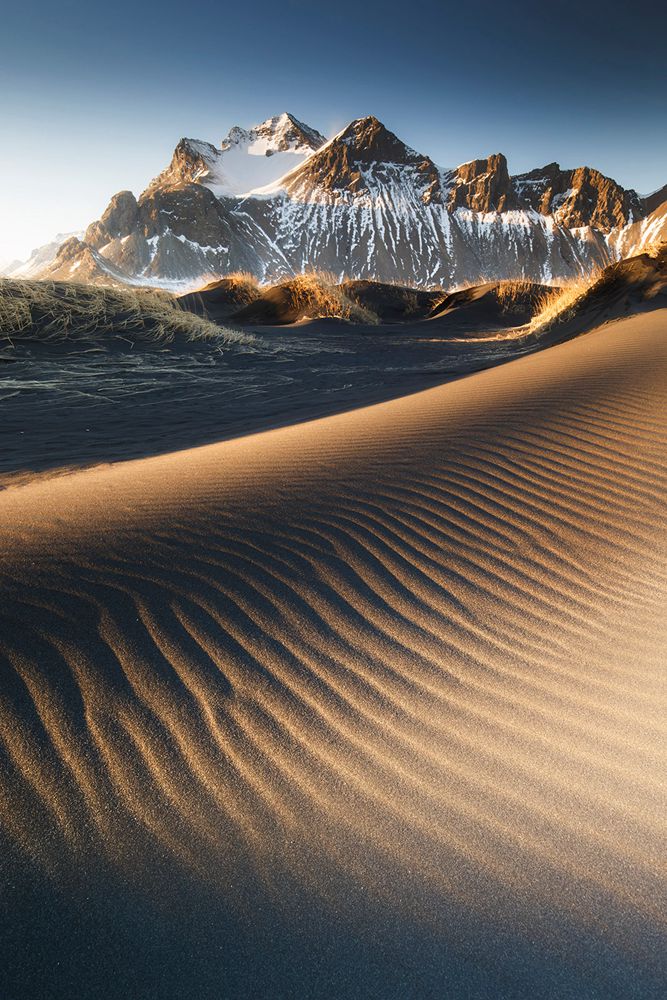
(277, 199)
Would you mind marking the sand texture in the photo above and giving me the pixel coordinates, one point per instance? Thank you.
(370, 706)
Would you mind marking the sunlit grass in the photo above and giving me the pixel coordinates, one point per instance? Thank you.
(59, 311)
(317, 295)
(560, 303)
(244, 286)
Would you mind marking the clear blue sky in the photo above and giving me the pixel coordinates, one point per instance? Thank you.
(94, 98)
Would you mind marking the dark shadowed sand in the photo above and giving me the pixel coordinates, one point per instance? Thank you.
(66, 408)
(368, 706)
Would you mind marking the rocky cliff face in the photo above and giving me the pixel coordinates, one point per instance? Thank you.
(79, 262)
(651, 231)
(655, 200)
(363, 205)
(192, 161)
(357, 163)
(120, 217)
(579, 198)
(483, 186)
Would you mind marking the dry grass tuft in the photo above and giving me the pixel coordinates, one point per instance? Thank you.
(58, 311)
(514, 293)
(242, 283)
(317, 295)
(411, 300)
(559, 304)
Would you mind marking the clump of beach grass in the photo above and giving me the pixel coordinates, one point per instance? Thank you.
(514, 293)
(53, 312)
(317, 295)
(243, 287)
(560, 303)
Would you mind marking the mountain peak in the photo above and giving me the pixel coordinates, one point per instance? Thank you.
(247, 158)
(368, 123)
(192, 160)
(279, 134)
(579, 198)
(277, 198)
(369, 141)
(484, 186)
(362, 160)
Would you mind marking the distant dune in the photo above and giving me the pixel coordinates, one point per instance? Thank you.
(484, 307)
(625, 287)
(370, 706)
(638, 284)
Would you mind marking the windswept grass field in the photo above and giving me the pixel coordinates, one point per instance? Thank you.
(56, 312)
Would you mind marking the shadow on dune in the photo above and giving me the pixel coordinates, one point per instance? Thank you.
(368, 708)
(629, 287)
(64, 410)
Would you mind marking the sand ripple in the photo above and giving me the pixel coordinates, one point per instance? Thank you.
(413, 653)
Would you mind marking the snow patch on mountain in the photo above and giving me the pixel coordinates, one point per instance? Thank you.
(277, 199)
(253, 158)
(40, 258)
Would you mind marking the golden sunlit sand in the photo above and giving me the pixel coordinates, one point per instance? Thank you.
(412, 654)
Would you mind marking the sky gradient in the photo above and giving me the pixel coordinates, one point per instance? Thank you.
(94, 100)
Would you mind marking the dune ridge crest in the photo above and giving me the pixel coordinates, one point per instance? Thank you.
(415, 649)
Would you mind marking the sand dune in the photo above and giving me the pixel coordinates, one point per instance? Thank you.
(387, 685)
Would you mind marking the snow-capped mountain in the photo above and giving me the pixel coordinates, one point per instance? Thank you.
(277, 199)
(39, 259)
(246, 159)
(637, 236)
